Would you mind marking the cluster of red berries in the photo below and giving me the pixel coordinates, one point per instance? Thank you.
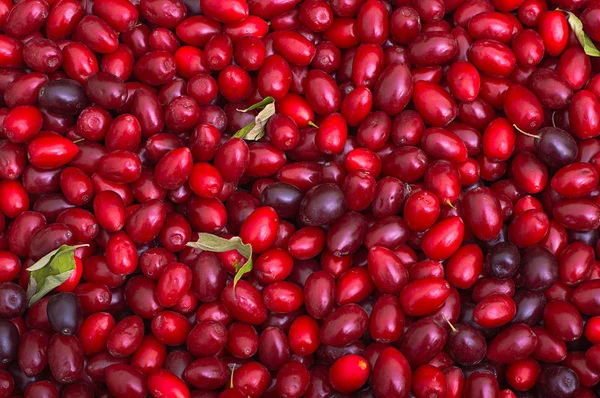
(299, 198)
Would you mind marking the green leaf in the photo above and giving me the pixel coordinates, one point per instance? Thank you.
(51, 282)
(244, 269)
(216, 244)
(585, 41)
(256, 130)
(261, 104)
(260, 122)
(50, 272)
(236, 265)
(241, 133)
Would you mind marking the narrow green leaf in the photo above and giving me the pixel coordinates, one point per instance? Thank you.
(266, 101)
(585, 41)
(216, 244)
(244, 269)
(50, 272)
(256, 130)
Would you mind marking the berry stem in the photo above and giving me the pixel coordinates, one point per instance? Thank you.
(527, 134)
(449, 323)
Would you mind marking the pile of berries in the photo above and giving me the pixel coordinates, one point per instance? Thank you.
(299, 198)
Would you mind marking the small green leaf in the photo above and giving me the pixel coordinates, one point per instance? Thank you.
(585, 41)
(244, 269)
(256, 130)
(216, 244)
(261, 104)
(51, 271)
